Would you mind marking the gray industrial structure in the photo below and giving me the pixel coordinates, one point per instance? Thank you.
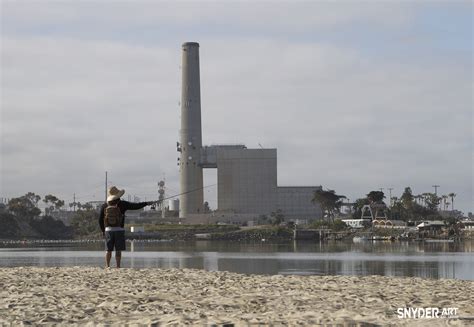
(246, 178)
(191, 183)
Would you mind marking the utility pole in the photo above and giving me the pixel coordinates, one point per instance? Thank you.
(74, 202)
(436, 194)
(106, 186)
(381, 189)
(161, 196)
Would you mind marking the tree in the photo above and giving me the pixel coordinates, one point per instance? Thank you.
(376, 196)
(443, 198)
(358, 204)
(33, 198)
(432, 201)
(418, 212)
(55, 204)
(407, 198)
(407, 208)
(277, 217)
(25, 206)
(398, 211)
(87, 206)
(338, 225)
(10, 228)
(85, 221)
(73, 205)
(452, 196)
(329, 202)
(262, 219)
(51, 228)
(206, 207)
(425, 196)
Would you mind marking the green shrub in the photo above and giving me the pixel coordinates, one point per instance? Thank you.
(337, 226)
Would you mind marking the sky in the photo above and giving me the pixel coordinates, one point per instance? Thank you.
(354, 95)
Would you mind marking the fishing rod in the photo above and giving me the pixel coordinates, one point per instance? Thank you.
(170, 197)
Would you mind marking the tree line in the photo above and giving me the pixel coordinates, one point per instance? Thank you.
(407, 207)
(21, 217)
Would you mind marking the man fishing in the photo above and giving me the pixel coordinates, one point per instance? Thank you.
(112, 221)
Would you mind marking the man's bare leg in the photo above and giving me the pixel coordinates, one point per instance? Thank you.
(108, 255)
(118, 258)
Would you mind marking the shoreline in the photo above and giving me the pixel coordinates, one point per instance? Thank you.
(81, 295)
(144, 240)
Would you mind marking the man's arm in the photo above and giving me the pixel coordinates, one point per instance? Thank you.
(125, 205)
(134, 206)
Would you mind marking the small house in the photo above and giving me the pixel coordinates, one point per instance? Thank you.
(430, 228)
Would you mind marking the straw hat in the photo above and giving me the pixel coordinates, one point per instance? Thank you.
(114, 194)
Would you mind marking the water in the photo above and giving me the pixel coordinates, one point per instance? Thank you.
(431, 260)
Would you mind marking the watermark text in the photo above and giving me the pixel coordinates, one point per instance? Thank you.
(426, 313)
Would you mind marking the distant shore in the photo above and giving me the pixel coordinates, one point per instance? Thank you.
(80, 295)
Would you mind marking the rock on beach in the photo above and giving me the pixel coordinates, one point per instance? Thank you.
(96, 296)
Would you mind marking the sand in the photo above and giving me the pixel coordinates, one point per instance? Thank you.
(96, 296)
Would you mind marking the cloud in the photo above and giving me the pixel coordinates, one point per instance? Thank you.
(74, 107)
(272, 16)
(87, 107)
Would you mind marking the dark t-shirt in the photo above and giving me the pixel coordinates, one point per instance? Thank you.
(123, 206)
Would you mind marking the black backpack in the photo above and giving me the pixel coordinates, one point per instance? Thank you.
(112, 216)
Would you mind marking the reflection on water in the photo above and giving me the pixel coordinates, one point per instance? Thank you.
(433, 260)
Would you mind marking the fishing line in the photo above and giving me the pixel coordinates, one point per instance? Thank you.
(173, 196)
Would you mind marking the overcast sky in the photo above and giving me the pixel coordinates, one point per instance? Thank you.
(356, 96)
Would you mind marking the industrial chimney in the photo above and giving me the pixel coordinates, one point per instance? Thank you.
(191, 181)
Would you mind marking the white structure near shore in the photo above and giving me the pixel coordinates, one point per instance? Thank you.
(357, 223)
(137, 229)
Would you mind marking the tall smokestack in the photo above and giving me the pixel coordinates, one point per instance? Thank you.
(191, 136)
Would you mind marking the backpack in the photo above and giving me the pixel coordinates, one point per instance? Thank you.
(112, 216)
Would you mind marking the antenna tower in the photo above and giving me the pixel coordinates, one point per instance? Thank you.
(161, 197)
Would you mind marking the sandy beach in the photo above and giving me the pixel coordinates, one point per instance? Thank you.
(96, 296)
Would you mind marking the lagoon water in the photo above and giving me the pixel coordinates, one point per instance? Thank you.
(431, 260)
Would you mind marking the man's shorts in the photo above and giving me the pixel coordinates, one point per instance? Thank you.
(115, 239)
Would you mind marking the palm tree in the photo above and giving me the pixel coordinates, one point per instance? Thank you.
(444, 197)
(452, 196)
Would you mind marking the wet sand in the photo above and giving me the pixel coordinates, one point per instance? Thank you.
(96, 296)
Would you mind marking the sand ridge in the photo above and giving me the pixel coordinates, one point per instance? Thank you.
(97, 296)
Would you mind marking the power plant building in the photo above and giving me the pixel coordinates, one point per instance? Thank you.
(246, 178)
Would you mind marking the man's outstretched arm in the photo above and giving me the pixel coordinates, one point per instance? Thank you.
(135, 205)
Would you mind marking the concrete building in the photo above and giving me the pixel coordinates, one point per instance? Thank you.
(295, 202)
(247, 178)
